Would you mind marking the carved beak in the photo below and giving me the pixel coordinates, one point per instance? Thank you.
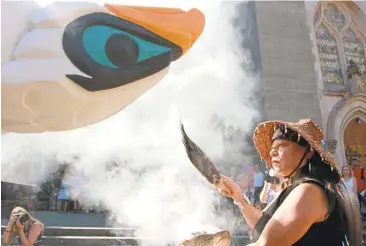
(180, 27)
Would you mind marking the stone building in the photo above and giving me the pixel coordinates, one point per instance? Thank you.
(312, 63)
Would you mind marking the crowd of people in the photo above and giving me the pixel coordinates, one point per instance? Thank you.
(257, 185)
(55, 191)
(354, 176)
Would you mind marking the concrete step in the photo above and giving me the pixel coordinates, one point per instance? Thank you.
(67, 219)
(86, 231)
(109, 241)
(92, 241)
(106, 236)
(107, 232)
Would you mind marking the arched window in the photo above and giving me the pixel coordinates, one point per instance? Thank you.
(353, 47)
(339, 41)
(328, 54)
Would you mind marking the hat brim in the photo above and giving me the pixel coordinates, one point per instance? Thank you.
(263, 133)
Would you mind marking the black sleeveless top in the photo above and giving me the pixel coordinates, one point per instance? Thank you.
(331, 231)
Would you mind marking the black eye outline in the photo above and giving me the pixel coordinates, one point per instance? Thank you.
(116, 48)
(103, 77)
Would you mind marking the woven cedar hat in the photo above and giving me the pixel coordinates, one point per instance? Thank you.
(306, 129)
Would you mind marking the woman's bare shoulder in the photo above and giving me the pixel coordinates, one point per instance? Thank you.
(305, 195)
(301, 201)
(308, 192)
(37, 226)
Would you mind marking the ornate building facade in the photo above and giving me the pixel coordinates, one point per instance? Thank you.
(340, 29)
(313, 64)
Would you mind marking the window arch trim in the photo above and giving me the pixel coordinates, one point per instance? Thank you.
(340, 7)
(335, 36)
(338, 37)
(359, 36)
(357, 31)
(332, 31)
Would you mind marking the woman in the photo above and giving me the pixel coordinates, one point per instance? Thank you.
(310, 210)
(349, 179)
(28, 233)
(63, 197)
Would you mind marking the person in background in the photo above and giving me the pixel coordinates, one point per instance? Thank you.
(24, 227)
(247, 178)
(258, 206)
(53, 200)
(360, 175)
(63, 197)
(270, 191)
(55, 188)
(243, 181)
(349, 179)
(73, 182)
(258, 182)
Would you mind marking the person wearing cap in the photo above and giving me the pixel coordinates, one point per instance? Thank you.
(310, 210)
(359, 174)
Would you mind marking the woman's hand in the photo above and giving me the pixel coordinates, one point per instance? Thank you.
(13, 219)
(20, 226)
(231, 189)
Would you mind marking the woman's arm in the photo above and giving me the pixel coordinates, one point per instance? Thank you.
(8, 232)
(33, 234)
(304, 206)
(8, 235)
(263, 197)
(354, 185)
(231, 189)
(250, 213)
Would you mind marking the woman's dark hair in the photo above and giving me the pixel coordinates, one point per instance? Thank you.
(318, 169)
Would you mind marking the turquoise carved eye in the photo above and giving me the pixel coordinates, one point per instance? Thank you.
(114, 48)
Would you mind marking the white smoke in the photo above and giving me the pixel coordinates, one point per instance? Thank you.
(152, 184)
